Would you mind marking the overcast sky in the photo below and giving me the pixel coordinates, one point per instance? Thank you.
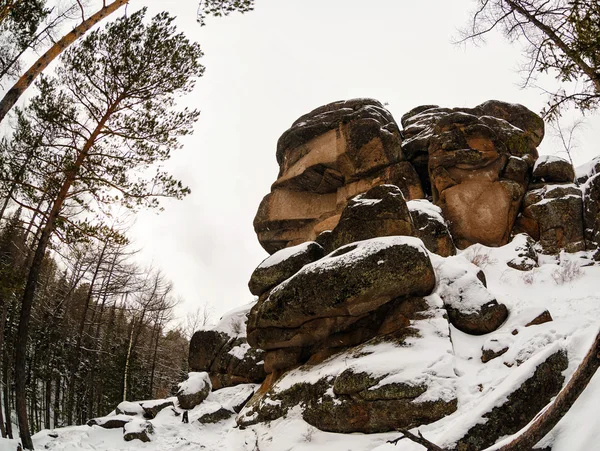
(266, 68)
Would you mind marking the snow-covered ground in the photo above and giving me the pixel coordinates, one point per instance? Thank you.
(568, 286)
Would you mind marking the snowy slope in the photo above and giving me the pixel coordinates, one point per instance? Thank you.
(568, 286)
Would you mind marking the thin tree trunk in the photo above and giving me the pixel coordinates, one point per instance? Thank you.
(11, 97)
(34, 273)
(75, 360)
(126, 373)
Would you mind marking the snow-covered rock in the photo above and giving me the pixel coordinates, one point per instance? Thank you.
(194, 390)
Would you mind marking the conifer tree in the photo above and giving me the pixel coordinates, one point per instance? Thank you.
(108, 117)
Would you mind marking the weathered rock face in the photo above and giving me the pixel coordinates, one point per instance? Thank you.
(224, 353)
(478, 163)
(381, 211)
(370, 387)
(328, 156)
(553, 216)
(430, 227)
(327, 297)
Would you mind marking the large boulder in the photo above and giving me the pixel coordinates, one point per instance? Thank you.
(477, 162)
(553, 216)
(328, 156)
(224, 353)
(282, 265)
(391, 381)
(381, 211)
(194, 390)
(328, 296)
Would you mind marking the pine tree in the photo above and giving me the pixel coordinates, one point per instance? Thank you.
(111, 114)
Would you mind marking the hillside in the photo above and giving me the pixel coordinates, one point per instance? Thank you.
(437, 275)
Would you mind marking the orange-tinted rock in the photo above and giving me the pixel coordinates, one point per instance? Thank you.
(478, 160)
(553, 215)
(328, 156)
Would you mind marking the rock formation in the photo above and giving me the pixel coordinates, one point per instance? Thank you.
(224, 353)
(363, 292)
(328, 156)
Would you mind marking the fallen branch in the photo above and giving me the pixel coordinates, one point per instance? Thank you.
(417, 439)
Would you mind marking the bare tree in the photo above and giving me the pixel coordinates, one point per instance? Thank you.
(559, 36)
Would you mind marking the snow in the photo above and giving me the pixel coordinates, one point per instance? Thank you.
(239, 351)
(358, 250)
(284, 254)
(196, 382)
(233, 323)
(426, 207)
(136, 425)
(587, 169)
(131, 408)
(448, 368)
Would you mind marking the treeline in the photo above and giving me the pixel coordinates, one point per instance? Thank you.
(98, 335)
(81, 326)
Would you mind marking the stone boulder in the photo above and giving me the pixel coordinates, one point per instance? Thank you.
(329, 296)
(154, 407)
(477, 162)
(129, 408)
(328, 156)
(430, 227)
(282, 265)
(379, 212)
(471, 307)
(194, 390)
(390, 381)
(111, 422)
(224, 353)
(553, 216)
(218, 415)
(550, 169)
(138, 430)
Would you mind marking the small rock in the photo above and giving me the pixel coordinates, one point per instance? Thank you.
(542, 318)
(488, 354)
(216, 416)
(152, 408)
(379, 212)
(138, 430)
(129, 408)
(112, 422)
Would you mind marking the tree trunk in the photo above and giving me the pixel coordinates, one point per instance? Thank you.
(126, 372)
(11, 97)
(34, 274)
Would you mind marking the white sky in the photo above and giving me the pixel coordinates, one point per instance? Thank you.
(266, 68)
